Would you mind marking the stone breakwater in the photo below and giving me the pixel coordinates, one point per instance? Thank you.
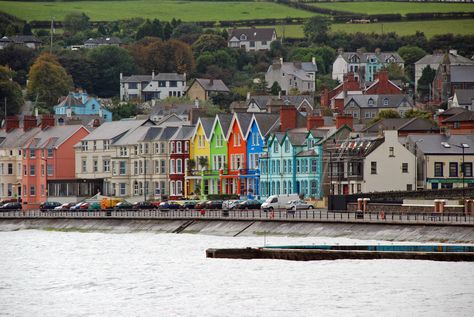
(415, 233)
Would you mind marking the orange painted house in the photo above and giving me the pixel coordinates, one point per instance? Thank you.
(232, 179)
(49, 156)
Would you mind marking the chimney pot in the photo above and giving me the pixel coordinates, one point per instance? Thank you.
(11, 123)
(288, 115)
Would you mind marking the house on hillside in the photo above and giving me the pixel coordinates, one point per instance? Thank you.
(463, 98)
(449, 78)
(145, 87)
(102, 41)
(29, 41)
(204, 89)
(366, 107)
(80, 103)
(252, 39)
(292, 75)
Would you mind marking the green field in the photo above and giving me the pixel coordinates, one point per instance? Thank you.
(430, 28)
(164, 10)
(395, 7)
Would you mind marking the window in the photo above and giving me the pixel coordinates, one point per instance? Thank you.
(140, 167)
(122, 167)
(314, 166)
(276, 147)
(391, 152)
(94, 145)
(287, 146)
(438, 169)
(404, 167)
(132, 85)
(50, 170)
(172, 166)
(42, 190)
(123, 189)
(163, 169)
(373, 167)
(32, 153)
(219, 140)
(157, 148)
(84, 166)
(32, 170)
(186, 147)
(179, 146)
(409, 187)
(171, 147)
(179, 166)
(179, 188)
(50, 152)
(106, 144)
(162, 145)
(135, 168)
(298, 169)
(106, 165)
(32, 191)
(467, 169)
(385, 102)
(42, 170)
(84, 145)
(236, 139)
(173, 83)
(453, 169)
(135, 188)
(10, 169)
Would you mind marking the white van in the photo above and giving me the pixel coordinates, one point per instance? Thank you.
(278, 201)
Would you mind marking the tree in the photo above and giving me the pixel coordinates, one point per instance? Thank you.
(81, 68)
(110, 62)
(410, 55)
(417, 113)
(11, 91)
(125, 111)
(150, 28)
(395, 72)
(208, 43)
(48, 80)
(75, 22)
(26, 29)
(316, 29)
(186, 32)
(203, 162)
(275, 89)
(19, 58)
(167, 31)
(425, 82)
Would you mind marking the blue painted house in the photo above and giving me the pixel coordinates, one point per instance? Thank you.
(260, 125)
(292, 164)
(80, 103)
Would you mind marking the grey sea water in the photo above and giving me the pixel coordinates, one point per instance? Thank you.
(46, 273)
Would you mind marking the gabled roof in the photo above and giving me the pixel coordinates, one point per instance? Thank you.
(358, 147)
(253, 34)
(382, 57)
(16, 138)
(20, 39)
(402, 124)
(454, 59)
(243, 120)
(297, 138)
(224, 119)
(53, 137)
(463, 116)
(207, 124)
(111, 130)
(452, 111)
(136, 79)
(264, 122)
(138, 134)
(211, 84)
(170, 76)
(70, 101)
(185, 132)
(297, 69)
(378, 100)
(464, 96)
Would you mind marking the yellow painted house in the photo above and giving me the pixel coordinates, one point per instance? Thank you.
(200, 152)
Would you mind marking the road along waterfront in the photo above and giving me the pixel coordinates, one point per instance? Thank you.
(44, 273)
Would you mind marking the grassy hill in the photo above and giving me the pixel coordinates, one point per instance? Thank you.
(163, 10)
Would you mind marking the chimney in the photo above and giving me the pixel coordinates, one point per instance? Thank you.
(288, 115)
(11, 123)
(211, 82)
(248, 95)
(279, 94)
(196, 103)
(29, 122)
(377, 51)
(453, 52)
(382, 76)
(121, 76)
(281, 60)
(340, 50)
(314, 122)
(350, 83)
(359, 51)
(313, 60)
(101, 113)
(344, 120)
(36, 112)
(68, 112)
(152, 74)
(47, 120)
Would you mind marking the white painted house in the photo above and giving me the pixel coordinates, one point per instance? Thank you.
(252, 39)
(292, 75)
(145, 87)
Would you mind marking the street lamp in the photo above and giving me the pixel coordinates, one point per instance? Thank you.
(416, 163)
(462, 146)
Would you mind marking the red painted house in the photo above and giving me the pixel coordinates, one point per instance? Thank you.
(179, 157)
(47, 157)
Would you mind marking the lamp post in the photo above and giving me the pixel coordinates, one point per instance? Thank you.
(416, 163)
(461, 146)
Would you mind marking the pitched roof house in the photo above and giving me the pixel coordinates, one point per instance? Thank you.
(252, 39)
(204, 89)
(292, 75)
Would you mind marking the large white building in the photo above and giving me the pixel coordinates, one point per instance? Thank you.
(252, 39)
(145, 87)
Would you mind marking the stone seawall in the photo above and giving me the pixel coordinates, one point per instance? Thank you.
(431, 233)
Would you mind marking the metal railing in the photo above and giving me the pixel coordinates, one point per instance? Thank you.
(315, 215)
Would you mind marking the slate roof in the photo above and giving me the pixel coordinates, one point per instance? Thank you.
(263, 100)
(134, 136)
(168, 133)
(432, 143)
(402, 124)
(297, 69)
(170, 76)
(225, 120)
(165, 108)
(20, 39)
(16, 138)
(463, 116)
(152, 133)
(253, 34)
(297, 138)
(207, 124)
(70, 101)
(358, 147)
(307, 153)
(363, 57)
(462, 74)
(136, 79)
(217, 85)
(244, 119)
(464, 96)
(452, 111)
(185, 132)
(438, 58)
(363, 100)
(53, 136)
(111, 130)
(266, 121)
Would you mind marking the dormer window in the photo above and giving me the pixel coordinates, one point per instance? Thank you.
(371, 102)
(385, 101)
(243, 37)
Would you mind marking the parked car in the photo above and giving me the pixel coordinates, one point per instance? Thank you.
(189, 204)
(49, 205)
(294, 205)
(65, 206)
(201, 204)
(249, 204)
(144, 205)
(165, 205)
(84, 206)
(230, 204)
(278, 201)
(214, 204)
(94, 206)
(11, 206)
(76, 206)
(123, 205)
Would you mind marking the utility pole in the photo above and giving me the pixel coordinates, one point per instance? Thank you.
(51, 36)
